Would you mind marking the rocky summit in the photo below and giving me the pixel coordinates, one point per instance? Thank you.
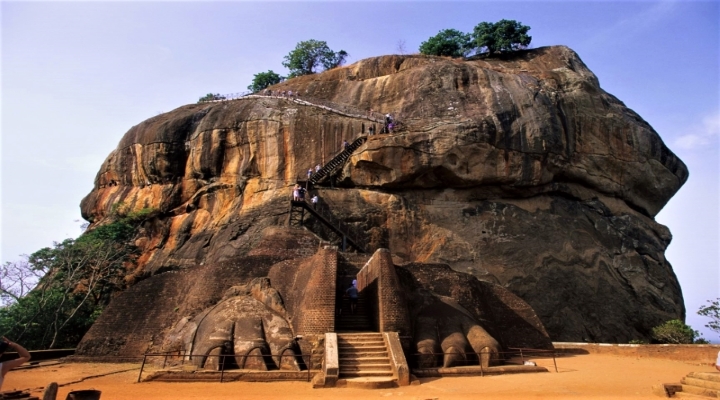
(518, 170)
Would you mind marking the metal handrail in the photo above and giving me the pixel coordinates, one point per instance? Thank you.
(344, 109)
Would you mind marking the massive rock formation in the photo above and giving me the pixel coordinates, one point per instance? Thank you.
(519, 170)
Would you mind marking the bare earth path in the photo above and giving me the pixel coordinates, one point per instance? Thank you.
(580, 376)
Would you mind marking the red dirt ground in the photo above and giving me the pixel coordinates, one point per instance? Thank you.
(579, 376)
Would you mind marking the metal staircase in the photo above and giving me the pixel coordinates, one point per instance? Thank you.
(337, 162)
(324, 216)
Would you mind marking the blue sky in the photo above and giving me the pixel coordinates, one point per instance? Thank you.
(75, 76)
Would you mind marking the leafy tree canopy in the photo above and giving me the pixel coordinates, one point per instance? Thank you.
(448, 42)
(504, 35)
(76, 279)
(264, 79)
(311, 54)
(674, 332)
(712, 311)
(211, 97)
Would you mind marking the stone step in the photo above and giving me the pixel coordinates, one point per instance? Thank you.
(364, 368)
(364, 334)
(684, 395)
(364, 360)
(365, 344)
(706, 376)
(701, 383)
(364, 354)
(365, 373)
(699, 390)
(358, 349)
(361, 336)
(368, 383)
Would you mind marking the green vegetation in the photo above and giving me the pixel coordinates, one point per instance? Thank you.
(311, 54)
(712, 311)
(264, 79)
(211, 97)
(504, 35)
(75, 279)
(448, 42)
(674, 332)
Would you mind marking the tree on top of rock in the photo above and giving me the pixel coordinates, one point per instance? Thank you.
(311, 54)
(264, 79)
(448, 42)
(504, 35)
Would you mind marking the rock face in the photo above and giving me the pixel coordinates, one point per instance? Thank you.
(521, 171)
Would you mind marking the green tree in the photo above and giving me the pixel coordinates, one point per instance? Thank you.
(211, 97)
(674, 332)
(311, 54)
(712, 311)
(448, 42)
(264, 79)
(504, 35)
(78, 278)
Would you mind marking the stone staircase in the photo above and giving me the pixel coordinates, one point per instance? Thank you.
(358, 322)
(364, 361)
(700, 385)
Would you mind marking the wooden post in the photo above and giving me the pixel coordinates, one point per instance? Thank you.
(50, 391)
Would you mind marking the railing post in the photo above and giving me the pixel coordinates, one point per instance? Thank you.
(222, 366)
(142, 367)
(165, 361)
(554, 363)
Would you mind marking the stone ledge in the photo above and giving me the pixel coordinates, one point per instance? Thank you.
(701, 354)
(476, 371)
(230, 376)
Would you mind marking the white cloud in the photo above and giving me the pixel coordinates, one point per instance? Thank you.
(701, 134)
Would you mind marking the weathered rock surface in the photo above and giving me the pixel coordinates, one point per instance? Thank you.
(521, 171)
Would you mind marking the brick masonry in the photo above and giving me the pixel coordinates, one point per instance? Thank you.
(379, 283)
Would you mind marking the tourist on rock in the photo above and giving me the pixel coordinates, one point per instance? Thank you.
(6, 366)
(301, 194)
(296, 193)
(314, 201)
(345, 144)
(290, 93)
(352, 292)
(317, 168)
(371, 130)
(309, 173)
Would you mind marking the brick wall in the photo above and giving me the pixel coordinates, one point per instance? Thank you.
(379, 283)
(308, 289)
(318, 304)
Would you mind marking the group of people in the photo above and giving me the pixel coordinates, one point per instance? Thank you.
(312, 171)
(281, 93)
(299, 195)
